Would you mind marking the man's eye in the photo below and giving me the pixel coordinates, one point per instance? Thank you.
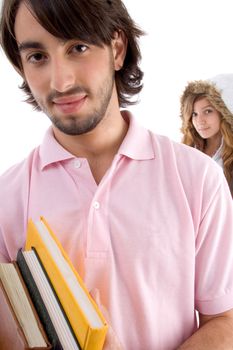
(35, 58)
(79, 48)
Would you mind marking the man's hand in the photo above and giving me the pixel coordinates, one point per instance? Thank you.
(111, 341)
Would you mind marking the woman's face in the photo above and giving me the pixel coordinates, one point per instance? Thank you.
(206, 119)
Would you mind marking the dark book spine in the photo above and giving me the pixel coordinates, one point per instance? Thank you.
(56, 296)
(38, 302)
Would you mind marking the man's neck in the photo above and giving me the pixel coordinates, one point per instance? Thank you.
(98, 146)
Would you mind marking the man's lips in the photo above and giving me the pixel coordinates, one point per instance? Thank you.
(69, 104)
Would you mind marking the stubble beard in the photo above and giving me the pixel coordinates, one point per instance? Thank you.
(73, 125)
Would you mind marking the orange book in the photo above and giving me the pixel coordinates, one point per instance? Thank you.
(86, 320)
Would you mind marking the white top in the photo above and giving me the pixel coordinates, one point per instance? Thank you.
(218, 155)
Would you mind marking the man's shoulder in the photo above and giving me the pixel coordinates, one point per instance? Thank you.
(189, 162)
(14, 178)
(164, 144)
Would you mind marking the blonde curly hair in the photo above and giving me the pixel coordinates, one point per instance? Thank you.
(208, 89)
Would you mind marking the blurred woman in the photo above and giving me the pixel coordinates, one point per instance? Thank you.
(207, 120)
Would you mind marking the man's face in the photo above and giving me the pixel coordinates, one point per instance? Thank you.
(72, 81)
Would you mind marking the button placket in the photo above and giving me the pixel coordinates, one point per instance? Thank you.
(77, 164)
(98, 231)
(96, 205)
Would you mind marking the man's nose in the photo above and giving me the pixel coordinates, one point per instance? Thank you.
(62, 76)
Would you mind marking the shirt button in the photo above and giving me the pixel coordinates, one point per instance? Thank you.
(77, 164)
(96, 205)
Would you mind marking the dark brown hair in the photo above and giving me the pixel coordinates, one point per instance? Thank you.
(93, 21)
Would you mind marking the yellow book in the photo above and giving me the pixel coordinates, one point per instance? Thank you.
(84, 316)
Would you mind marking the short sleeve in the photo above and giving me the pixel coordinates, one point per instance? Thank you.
(214, 254)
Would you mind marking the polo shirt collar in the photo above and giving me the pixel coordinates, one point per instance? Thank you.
(51, 151)
(137, 144)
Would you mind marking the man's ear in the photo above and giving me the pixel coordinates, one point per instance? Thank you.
(119, 48)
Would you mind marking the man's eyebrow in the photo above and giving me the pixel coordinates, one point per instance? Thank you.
(30, 45)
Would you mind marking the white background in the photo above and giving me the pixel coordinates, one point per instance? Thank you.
(185, 40)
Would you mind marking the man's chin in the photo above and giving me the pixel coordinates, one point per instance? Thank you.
(73, 128)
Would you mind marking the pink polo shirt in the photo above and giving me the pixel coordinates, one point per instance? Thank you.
(155, 237)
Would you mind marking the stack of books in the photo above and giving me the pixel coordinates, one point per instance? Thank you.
(44, 303)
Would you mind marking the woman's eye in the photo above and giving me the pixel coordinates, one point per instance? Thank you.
(194, 114)
(208, 111)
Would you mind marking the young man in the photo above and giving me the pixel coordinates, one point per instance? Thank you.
(148, 223)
